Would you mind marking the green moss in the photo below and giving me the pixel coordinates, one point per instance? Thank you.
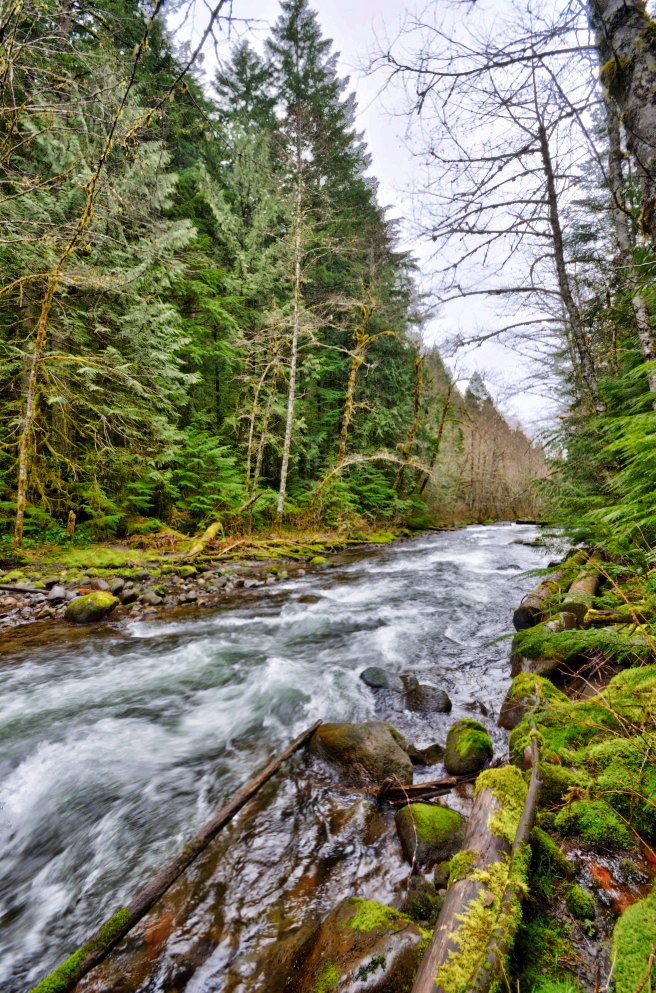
(397, 734)
(580, 904)
(548, 864)
(434, 825)
(478, 920)
(596, 822)
(473, 739)
(369, 914)
(461, 864)
(558, 781)
(66, 975)
(525, 685)
(622, 644)
(540, 943)
(634, 938)
(318, 560)
(508, 786)
(615, 74)
(328, 978)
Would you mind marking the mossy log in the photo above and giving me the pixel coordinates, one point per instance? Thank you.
(199, 544)
(92, 953)
(479, 917)
(536, 605)
(581, 593)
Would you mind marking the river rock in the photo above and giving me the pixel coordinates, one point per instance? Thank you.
(142, 574)
(99, 584)
(422, 902)
(116, 586)
(50, 581)
(410, 681)
(57, 594)
(468, 747)
(527, 694)
(150, 598)
(129, 596)
(380, 679)
(429, 833)
(430, 755)
(361, 945)
(425, 699)
(92, 607)
(365, 753)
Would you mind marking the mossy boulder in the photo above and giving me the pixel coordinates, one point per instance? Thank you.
(634, 938)
(360, 945)
(365, 753)
(580, 904)
(421, 902)
(319, 560)
(429, 833)
(468, 747)
(596, 822)
(525, 696)
(89, 608)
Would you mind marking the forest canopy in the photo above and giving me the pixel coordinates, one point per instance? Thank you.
(204, 311)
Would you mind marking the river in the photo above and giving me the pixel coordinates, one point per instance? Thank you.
(117, 744)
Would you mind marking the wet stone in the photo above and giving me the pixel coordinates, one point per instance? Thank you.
(429, 833)
(381, 679)
(365, 753)
(425, 699)
(468, 747)
(99, 584)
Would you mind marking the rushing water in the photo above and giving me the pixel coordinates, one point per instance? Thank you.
(117, 744)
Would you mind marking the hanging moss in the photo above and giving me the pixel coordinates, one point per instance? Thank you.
(634, 938)
(461, 864)
(615, 74)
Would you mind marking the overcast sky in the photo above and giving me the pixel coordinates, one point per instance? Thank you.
(354, 26)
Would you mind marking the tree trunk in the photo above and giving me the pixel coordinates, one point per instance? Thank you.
(92, 953)
(414, 427)
(264, 431)
(625, 240)
(440, 430)
(357, 358)
(581, 593)
(626, 45)
(573, 316)
(535, 606)
(295, 330)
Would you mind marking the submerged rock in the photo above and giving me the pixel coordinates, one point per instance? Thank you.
(429, 833)
(425, 699)
(380, 679)
(468, 747)
(360, 945)
(92, 607)
(366, 753)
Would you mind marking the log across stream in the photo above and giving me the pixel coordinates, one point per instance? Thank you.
(115, 747)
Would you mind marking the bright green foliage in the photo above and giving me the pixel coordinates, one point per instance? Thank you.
(508, 786)
(634, 939)
(328, 978)
(369, 914)
(580, 904)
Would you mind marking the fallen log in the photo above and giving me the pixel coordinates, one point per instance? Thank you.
(478, 915)
(92, 953)
(581, 593)
(539, 603)
(398, 796)
(199, 544)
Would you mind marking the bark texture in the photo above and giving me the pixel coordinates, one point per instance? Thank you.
(625, 38)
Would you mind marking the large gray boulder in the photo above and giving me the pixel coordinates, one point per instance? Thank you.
(365, 753)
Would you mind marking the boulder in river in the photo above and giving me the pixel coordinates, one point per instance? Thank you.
(425, 699)
(421, 902)
(116, 586)
(468, 747)
(429, 833)
(93, 607)
(360, 945)
(527, 694)
(380, 679)
(430, 755)
(365, 753)
(150, 598)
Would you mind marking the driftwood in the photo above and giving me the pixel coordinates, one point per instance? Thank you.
(398, 796)
(538, 604)
(486, 848)
(67, 975)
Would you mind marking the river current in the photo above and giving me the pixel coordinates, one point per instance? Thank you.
(118, 743)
